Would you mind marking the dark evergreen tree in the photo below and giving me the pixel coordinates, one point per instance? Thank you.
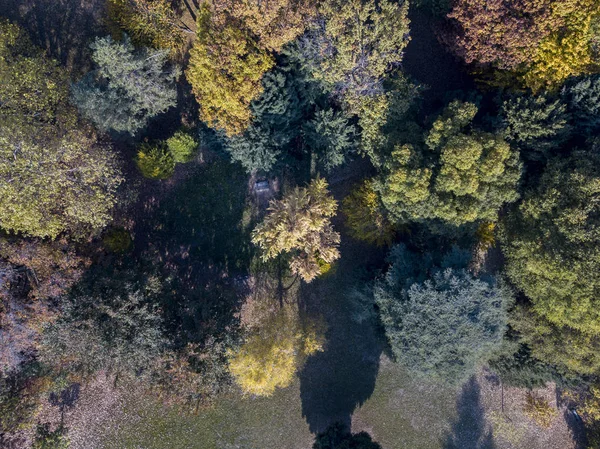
(583, 98)
(337, 436)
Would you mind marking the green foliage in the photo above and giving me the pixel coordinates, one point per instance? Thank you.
(463, 176)
(583, 98)
(331, 136)
(539, 410)
(300, 225)
(366, 217)
(155, 161)
(50, 439)
(18, 400)
(337, 436)
(535, 124)
(182, 146)
(363, 39)
(34, 89)
(128, 87)
(551, 243)
(440, 320)
(149, 22)
(112, 323)
(517, 367)
(51, 186)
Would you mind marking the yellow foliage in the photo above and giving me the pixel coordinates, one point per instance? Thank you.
(566, 52)
(271, 355)
(539, 410)
(225, 71)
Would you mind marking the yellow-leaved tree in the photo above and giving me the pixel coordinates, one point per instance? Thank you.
(225, 71)
(300, 225)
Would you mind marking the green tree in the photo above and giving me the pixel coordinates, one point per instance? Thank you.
(535, 124)
(34, 89)
(300, 225)
(50, 439)
(111, 323)
(155, 161)
(182, 146)
(51, 186)
(150, 22)
(583, 98)
(441, 320)
(551, 243)
(366, 217)
(458, 176)
(128, 87)
(362, 41)
(330, 137)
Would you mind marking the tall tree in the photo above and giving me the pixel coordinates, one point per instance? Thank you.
(128, 87)
(225, 70)
(583, 99)
(363, 39)
(551, 243)
(441, 320)
(300, 225)
(458, 176)
(150, 22)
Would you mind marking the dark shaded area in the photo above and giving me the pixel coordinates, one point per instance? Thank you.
(66, 398)
(577, 429)
(62, 27)
(194, 235)
(430, 64)
(470, 431)
(336, 381)
(337, 436)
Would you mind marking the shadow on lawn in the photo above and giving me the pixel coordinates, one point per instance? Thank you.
(470, 431)
(336, 381)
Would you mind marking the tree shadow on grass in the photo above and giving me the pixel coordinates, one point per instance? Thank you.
(199, 236)
(62, 27)
(342, 377)
(470, 431)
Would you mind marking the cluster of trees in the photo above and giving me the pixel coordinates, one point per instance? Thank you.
(292, 90)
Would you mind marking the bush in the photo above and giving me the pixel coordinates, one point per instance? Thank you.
(46, 439)
(539, 410)
(155, 161)
(182, 146)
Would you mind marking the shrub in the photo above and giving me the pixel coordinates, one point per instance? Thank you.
(539, 410)
(182, 146)
(155, 161)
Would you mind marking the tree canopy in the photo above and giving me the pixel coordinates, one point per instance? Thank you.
(440, 320)
(128, 87)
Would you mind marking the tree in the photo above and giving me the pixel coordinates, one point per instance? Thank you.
(337, 436)
(225, 71)
(366, 217)
(52, 186)
(274, 23)
(330, 137)
(271, 355)
(461, 177)
(34, 89)
(503, 34)
(535, 124)
(128, 87)
(363, 40)
(112, 323)
(567, 51)
(551, 243)
(182, 146)
(300, 225)
(150, 22)
(441, 320)
(583, 99)
(155, 161)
